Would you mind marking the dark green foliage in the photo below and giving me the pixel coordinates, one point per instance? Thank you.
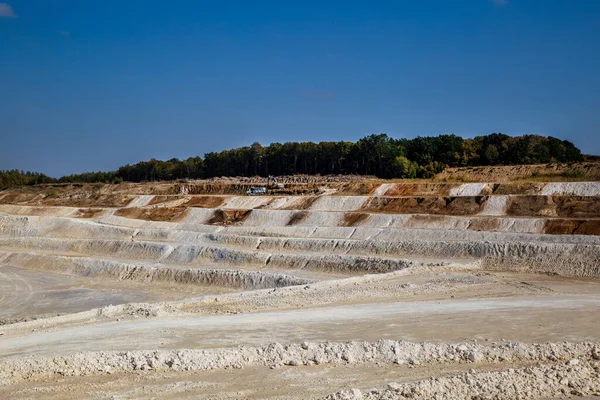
(89, 177)
(499, 149)
(20, 178)
(156, 170)
(379, 155)
(386, 157)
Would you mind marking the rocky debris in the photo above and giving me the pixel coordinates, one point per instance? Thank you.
(276, 355)
(346, 394)
(533, 382)
(290, 179)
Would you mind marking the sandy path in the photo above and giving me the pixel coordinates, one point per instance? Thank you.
(531, 318)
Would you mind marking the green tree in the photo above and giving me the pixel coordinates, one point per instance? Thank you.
(403, 168)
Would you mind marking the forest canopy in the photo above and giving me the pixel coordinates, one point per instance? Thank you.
(377, 154)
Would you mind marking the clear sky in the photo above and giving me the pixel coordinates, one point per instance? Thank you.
(89, 85)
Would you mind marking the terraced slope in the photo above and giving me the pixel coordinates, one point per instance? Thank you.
(290, 268)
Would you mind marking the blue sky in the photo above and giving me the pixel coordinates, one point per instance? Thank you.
(92, 85)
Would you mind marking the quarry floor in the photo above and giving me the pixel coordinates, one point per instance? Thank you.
(446, 307)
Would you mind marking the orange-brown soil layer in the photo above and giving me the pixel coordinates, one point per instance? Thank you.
(485, 224)
(517, 206)
(205, 201)
(419, 189)
(552, 206)
(51, 198)
(228, 217)
(170, 214)
(88, 213)
(572, 227)
(426, 205)
(354, 218)
(358, 188)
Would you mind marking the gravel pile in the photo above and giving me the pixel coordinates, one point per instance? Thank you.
(567, 379)
(276, 355)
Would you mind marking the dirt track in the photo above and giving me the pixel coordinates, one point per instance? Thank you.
(364, 291)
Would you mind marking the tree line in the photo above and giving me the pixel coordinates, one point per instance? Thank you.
(377, 154)
(15, 177)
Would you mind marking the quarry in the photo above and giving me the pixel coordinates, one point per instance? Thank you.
(328, 288)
